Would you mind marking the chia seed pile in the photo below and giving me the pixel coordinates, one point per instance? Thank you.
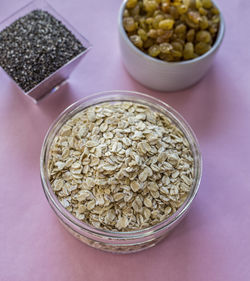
(35, 46)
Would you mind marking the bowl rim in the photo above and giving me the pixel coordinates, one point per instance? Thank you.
(145, 56)
(135, 234)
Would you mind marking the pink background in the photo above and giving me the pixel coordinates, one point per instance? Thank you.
(212, 243)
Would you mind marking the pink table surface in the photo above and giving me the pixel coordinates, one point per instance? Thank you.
(212, 243)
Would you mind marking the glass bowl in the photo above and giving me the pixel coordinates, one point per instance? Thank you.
(51, 83)
(119, 242)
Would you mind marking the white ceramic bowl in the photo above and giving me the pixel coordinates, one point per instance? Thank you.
(160, 75)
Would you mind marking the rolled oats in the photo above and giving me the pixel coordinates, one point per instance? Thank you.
(121, 166)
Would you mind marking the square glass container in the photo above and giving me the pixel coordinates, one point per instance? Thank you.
(51, 83)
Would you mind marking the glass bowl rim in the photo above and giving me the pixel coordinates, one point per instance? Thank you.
(141, 97)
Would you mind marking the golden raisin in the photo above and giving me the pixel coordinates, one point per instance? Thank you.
(203, 36)
(194, 16)
(165, 7)
(182, 9)
(198, 4)
(177, 46)
(201, 48)
(181, 28)
(149, 21)
(165, 37)
(154, 51)
(150, 5)
(135, 11)
(215, 11)
(152, 33)
(204, 22)
(188, 52)
(126, 13)
(190, 35)
(129, 24)
(176, 53)
(166, 24)
(142, 34)
(136, 40)
(131, 3)
(156, 21)
(203, 11)
(207, 4)
(165, 48)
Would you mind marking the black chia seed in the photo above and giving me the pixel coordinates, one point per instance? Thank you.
(35, 46)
